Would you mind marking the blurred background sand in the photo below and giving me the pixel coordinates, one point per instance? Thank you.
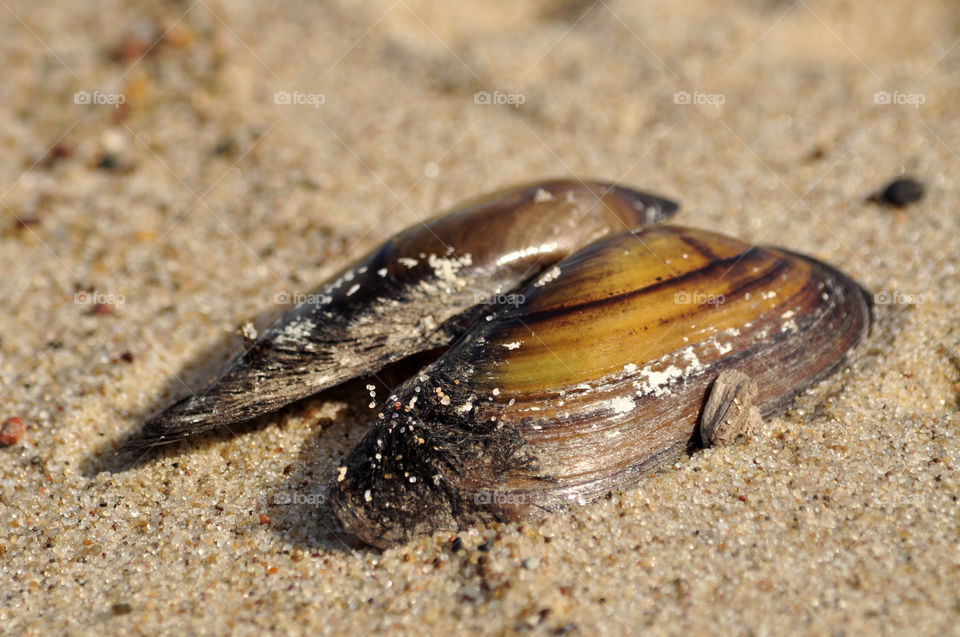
(186, 210)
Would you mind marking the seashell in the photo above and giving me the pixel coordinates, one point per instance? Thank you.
(417, 291)
(597, 378)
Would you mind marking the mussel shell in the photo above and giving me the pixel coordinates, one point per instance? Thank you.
(598, 377)
(417, 291)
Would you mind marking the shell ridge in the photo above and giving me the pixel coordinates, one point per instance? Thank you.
(548, 313)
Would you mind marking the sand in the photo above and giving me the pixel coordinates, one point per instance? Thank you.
(185, 211)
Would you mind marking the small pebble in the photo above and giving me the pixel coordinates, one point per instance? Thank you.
(57, 153)
(108, 161)
(132, 47)
(121, 609)
(486, 546)
(25, 222)
(226, 146)
(900, 193)
(531, 563)
(456, 545)
(12, 431)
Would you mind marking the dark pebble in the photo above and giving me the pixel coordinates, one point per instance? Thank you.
(228, 146)
(486, 546)
(121, 609)
(901, 192)
(456, 545)
(25, 222)
(108, 162)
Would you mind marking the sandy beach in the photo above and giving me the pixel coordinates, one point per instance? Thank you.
(170, 171)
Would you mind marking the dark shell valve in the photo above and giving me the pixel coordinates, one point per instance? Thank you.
(599, 376)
